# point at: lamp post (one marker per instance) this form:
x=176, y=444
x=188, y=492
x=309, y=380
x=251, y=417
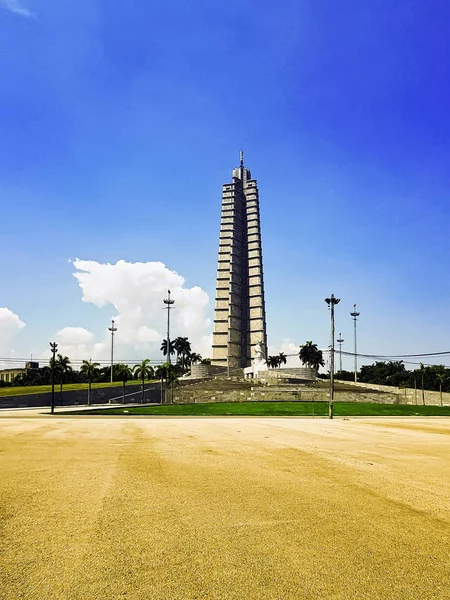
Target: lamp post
x=340, y=341
x=54, y=348
x=332, y=301
x=169, y=304
x=112, y=329
x=355, y=316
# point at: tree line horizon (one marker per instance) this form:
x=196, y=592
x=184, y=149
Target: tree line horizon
x=393, y=373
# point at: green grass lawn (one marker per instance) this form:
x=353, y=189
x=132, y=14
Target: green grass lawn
x=268, y=409
x=42, y=389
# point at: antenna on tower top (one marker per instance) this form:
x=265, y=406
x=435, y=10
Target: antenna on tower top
x=241, y=156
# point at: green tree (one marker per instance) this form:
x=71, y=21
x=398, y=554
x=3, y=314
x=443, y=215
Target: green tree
x=345, y=375
x=63, y=369
x=160, y=373
x=164, y=347
x=195, y=358
x=168, y=373
x=282, y=359
x=143, y=371
x=441, y=377
x=124, y=373
x=311, y=356
x=273, y=362
x=90, y=371
x=422, y=377
x=183, y=349
x=385, y=373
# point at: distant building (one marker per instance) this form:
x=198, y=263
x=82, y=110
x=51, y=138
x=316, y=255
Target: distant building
x=7, y=375
x=31, y=365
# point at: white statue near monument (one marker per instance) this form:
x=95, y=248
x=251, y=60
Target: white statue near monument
x=258, y=362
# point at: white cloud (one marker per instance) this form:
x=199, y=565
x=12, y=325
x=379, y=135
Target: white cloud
x=15, y=7
x=290, y=349
x=10, y=325
x=136, y=292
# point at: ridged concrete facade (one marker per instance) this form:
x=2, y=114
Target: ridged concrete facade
x=240, y=318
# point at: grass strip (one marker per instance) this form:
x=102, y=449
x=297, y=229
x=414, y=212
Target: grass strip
x=274, y=409
x=25, y=390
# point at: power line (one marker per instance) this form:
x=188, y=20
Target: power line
x=397, y=355
x=385, y=357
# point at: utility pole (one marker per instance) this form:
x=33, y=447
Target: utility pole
x=54, y=348
x=331, y=304
x=423, y=390
x=355, y=316
x=340, y=341
x=112, y=329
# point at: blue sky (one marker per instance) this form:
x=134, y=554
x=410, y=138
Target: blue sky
x=120, y=122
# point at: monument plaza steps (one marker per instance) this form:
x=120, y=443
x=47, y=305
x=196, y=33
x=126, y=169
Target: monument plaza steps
x=235, y=389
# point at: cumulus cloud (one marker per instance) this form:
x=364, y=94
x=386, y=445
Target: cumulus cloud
x=290, y=349
x=74, y=341
x=135, y=292
x=15, y=7
x=10, y=325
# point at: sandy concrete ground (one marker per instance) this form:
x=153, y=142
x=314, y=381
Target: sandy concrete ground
x=112, y=508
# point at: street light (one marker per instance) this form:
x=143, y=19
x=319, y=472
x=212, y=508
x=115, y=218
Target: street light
x=331, y=304
x=54, y=348
x=355, y=316
x=112, y=329
x=168, y=302
x=340, y=341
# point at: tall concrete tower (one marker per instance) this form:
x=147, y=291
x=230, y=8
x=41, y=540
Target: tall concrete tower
x=240, y=316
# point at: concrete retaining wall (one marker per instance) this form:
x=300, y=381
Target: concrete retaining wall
x=408, y=395
x=272, y=394
x=75, y=397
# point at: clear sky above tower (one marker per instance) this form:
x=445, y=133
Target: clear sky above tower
x=121, y=120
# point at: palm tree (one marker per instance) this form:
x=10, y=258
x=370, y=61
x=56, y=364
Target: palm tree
x=183, y=348
x=195, y=358
x=172, y=372
x=273, y=361
x=169, y=373
x=63, y=368
x=311, y=356
x=160, y=373
x=164, y=347
x=89, y=370
x=282, y=359
x=143, y=370
x=422, y=372
x=124, y=373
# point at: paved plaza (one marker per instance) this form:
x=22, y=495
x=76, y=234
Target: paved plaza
x=97, y=508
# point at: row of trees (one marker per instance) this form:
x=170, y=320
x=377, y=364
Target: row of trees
x=62, y=371
x=89, y=373
x=185, y=357
x=309, y=354
x=65, y=373
x=432, y=377
x=275, y=362
x=143, y=371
